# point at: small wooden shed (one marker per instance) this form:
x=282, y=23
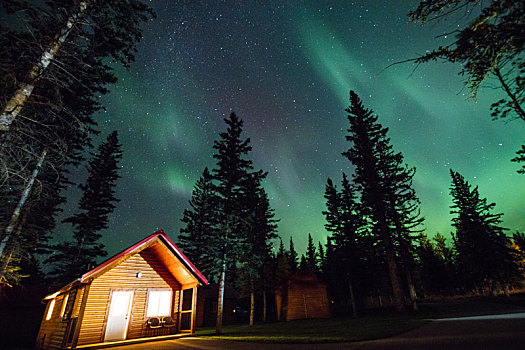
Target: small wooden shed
x=147, y=290
x=302, y=296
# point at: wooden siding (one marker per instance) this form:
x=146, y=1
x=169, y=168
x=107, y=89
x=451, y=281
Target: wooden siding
x=303, y=296
x=78, y=302
x=307, y=300
x=52, y=331
x=124, y=277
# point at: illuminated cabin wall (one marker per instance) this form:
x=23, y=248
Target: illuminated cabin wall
x=124, y=277
x=51, y=333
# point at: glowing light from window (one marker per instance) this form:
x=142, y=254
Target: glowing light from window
x=50, y=310
x=159, y=303
x=64, y=304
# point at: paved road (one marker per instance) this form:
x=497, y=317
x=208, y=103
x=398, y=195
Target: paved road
x=481, y=332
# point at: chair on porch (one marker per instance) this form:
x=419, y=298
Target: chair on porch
x=154, y=322
x=168, y=321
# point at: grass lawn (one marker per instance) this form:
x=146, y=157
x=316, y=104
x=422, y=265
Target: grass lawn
x=318, y=330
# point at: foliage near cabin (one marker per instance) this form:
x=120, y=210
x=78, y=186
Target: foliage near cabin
x=71, y=259
x=198, y=239
x=53, y=70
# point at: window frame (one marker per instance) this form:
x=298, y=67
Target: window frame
x=149, y=299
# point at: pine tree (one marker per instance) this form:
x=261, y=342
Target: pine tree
x=292, y=256
x=303, y=263
x=97, y=202
x=231, y=174
x=385, y=187
x=490, y=45
x=30, y=233
x=518, y=240
x=311, y=256
x=483, y=250
x=321, y=256
x=199, y=238
x=282, y=268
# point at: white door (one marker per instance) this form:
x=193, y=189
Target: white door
x=119, y=315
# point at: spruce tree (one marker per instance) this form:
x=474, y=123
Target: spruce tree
x=292, y=256
x=311, y=256
x=282, y=266
x=97, y=202
x=303, y=264
x=199, y=238
x=483, y=250
x=231, y=174
x=384, y=183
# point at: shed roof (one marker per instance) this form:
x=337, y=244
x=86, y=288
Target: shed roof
x=169, y=254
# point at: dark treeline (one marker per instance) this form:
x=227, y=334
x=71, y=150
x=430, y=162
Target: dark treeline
x=376, y=254
x=376, y=251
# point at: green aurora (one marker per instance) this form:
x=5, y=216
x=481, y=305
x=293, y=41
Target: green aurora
x=286, y=70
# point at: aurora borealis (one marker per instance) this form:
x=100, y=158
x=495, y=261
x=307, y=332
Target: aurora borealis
x=286, y=69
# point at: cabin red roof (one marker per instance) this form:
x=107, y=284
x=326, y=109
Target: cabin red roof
x=115, y=260
x=160, y=235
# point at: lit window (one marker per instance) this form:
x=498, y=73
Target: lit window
x=50, y=310
x=64, y=304
x=159, y=303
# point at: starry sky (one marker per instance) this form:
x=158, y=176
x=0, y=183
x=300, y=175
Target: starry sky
x=286, y=68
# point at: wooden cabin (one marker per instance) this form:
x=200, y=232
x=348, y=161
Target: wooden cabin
x=302, y=296
x=147, y=290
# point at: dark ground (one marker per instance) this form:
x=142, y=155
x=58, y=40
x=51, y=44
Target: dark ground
x=19, y=323
x=21, y=312
x=508, y=334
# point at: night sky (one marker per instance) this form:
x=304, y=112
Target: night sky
x=286, y=69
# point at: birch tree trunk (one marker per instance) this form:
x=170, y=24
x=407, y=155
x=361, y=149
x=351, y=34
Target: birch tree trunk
x=220, y=299
x=9, y=235
x=25, y=88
